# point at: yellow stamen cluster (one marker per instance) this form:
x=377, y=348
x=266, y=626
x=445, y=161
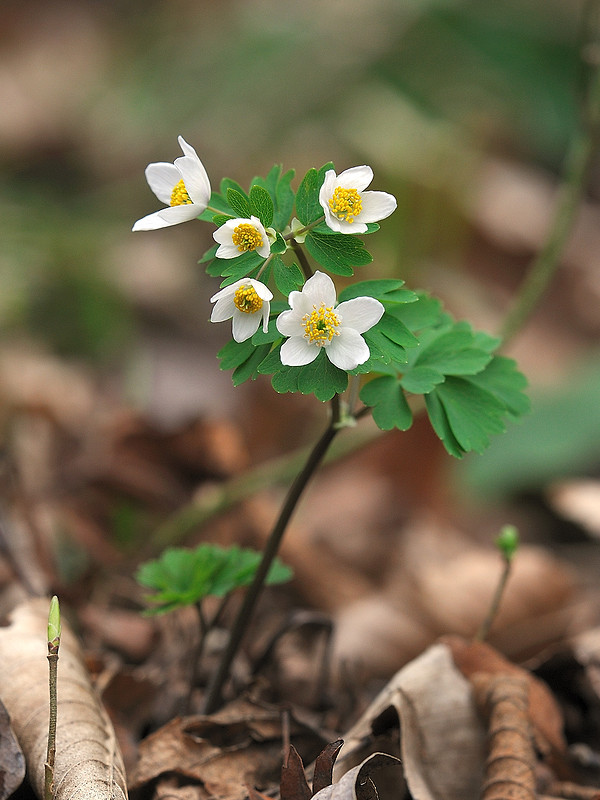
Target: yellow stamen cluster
x=345, y=204
x=320, y=325
x=247, y=300
x=179, y=195
x=245, y=237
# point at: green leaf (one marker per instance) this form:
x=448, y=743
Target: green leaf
x=321, y=378
x=272, y=334
x=397, y=331
x=249, y=368
x=209, y=255
x=380, y=289
x=284, y=200
x=417, y=316
x=279, y=245
x=183, y=576
x=390, y=409
x=235, y=353
x=218, y=202
x=473, y=414
x=421, y=380
x=502, y=378
x=238, y=202
x=453, y=352
x=221, y=219
x=338, y=253
x=440, y=424
x=261, y=205
x=234, y=269
x=308, y=208
x=287, y=279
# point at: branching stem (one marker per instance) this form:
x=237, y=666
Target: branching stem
x=214, y=692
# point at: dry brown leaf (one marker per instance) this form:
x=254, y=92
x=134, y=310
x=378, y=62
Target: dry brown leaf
x=442, y=737
x=360, y=782
x=88, y=763
x=12, y=761
x=241, y=744
x=544, y=712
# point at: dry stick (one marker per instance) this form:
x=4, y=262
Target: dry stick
x=214, y=692
x=510, y=766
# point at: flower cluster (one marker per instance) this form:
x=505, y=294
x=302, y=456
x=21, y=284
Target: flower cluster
x=313, y=321
x=308, y=337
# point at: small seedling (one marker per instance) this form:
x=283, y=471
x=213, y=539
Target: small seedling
x=53, y=647
x=184, y=577
x=507, y=543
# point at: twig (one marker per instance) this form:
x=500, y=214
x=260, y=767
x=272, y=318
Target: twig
x=53, y=647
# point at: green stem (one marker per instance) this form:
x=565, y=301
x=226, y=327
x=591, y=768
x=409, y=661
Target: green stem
x=547, y=261
x=305, y=229
x=484, y=629
x=578, y=160
x=214, y=692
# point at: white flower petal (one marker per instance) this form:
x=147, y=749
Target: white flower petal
x=186, y=148
x=376, y=206
x=162, y=179
x=261, y=290
x=166, y=217
x=227, y=251
x=245, y=325
x=355, y=178
x=195, y=179
x=296, y=352
x=289, y=323
x=319, y=289
x=224, y=309
x=227, y=290
x=348, y=350
x=361, y=313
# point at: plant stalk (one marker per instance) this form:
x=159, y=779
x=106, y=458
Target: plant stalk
x=53, y=648
x=213, y=698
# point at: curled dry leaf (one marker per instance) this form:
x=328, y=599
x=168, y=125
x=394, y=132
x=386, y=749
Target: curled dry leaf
x=544, y=711
x=442, y=737
x=88, y=762
x=360, y=782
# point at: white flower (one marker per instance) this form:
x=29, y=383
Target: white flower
x=314, y=321
x=239, y=236
x=183, y=186
x=247, y=301
x=348, y=208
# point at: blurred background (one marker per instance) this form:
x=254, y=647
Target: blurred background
x=465, y=111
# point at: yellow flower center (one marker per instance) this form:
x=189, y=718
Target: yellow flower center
x=345, y=204
x=245, y=237
x=320, y=326
x=247, y=300
x=179, y=195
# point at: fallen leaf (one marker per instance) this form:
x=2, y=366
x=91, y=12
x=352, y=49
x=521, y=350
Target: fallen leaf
x=240, y=744
x=12, y=760
x=360, y=783
x=323, y=772
x=544, y=712
x=293, y=784
x=88, y=761
x=441, y=737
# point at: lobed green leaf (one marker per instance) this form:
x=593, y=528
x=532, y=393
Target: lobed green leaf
x=239, y=202
x=338, y=253
x=261, y=205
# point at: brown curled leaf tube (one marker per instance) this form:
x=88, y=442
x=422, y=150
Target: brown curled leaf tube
x=510, y=765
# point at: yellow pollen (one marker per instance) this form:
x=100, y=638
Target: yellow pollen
x=345, y=204
x=247, y=300
x=179, y=195
x=246, y=237
x=320, y=325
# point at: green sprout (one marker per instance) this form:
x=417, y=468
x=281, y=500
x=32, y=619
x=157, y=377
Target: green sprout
x=184, y=577
x=507, y=543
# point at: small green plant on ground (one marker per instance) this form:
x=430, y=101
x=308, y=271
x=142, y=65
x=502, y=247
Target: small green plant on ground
x=186, y=577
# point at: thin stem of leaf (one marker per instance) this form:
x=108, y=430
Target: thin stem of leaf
x=304, y=265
